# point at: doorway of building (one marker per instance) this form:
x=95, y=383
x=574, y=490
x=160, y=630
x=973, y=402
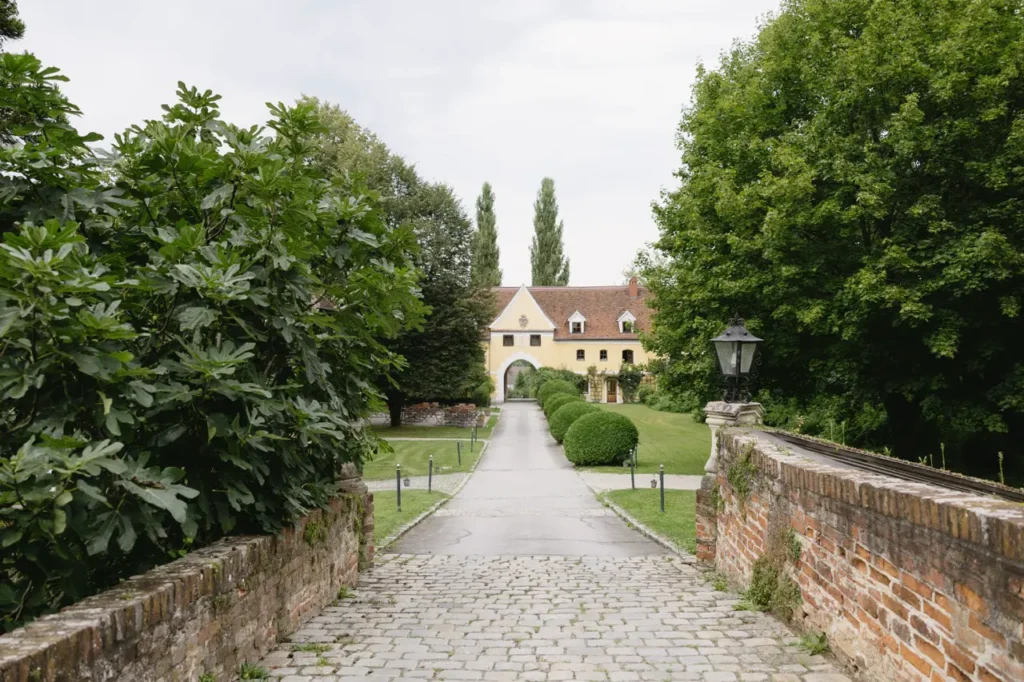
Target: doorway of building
x=613, y=391
x=518, y=382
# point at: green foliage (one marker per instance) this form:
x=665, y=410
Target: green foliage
x=549, y=266
x=312, y=647
x=344, y=593
x=555, y=401
x=486, y=270
x=566, y=415
x=600, y=438
x=848, y=185
x=11, y=25
x=553, y=386
x=207, y=677
x=443, y=354
x=315, y=532
x=534, y=380
x=814, y=643
x=740, y=474
x=629, y=377
x=251, y=671
x=188, y=331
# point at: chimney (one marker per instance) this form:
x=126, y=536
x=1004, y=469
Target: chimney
x=633, y=290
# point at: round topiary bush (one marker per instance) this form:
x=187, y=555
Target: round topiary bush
x=552, y=387
x=557, y=400
x=600, y=438
x=566, y=415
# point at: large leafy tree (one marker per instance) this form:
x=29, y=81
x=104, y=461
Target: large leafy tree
x=486, y=255
x=550, y=267
x=443, y=355
x=189, y=332
x=852, y=182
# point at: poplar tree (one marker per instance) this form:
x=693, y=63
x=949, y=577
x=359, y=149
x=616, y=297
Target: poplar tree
x=550, y=267
x=486, y=255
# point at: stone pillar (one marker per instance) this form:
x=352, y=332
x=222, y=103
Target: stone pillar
x=719, y=415
x=351, y=483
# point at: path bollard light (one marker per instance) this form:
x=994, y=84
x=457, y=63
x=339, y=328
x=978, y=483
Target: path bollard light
x=632, y=477
x=398, y=484
x=430, y=474
x=458, y=449
x=661, y=475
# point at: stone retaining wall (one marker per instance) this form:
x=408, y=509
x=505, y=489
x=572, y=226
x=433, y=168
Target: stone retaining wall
x=208, y=612
x=908, y=581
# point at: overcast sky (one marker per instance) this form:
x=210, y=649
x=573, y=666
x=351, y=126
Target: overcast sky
x=508, y=91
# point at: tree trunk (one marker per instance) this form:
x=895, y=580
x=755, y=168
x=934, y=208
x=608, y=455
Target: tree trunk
x=395, y=409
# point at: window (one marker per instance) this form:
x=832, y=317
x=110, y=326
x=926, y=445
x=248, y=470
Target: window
x=604, y=355
x=627, y=322
x=577, y=328
x=627, y=356
x=581, y=354
x=627, y=327
x=534, y=339
x=508, y=340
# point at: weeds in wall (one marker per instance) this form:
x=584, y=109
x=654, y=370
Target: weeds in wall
x=251, y=671
x=741, y=474
x=814, y=643
x=316, y=529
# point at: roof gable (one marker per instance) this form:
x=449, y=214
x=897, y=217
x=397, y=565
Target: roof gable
x=517, y=308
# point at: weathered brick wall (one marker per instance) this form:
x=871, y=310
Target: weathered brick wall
x=908, y=581
x=208, y=612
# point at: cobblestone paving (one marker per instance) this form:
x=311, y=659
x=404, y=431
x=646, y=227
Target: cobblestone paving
x=540, y=618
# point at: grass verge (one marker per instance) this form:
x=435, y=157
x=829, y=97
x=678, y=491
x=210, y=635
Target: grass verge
x=677, y=524
x=668, y=438
x=414, y=456
x=387, y=518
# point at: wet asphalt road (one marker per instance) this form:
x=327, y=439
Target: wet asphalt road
x=525, y=499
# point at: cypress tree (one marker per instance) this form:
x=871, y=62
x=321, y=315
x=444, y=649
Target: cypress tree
x=486, y=256
x=550, y=267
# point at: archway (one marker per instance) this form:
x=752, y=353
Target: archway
x=517, y=360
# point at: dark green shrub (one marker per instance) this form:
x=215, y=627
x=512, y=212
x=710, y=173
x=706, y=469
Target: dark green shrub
x=554, y=386
x=566, y=415
x=186, y=335
x=600, y=438
x=556, y=401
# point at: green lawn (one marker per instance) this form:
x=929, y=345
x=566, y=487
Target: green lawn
x=677, y=524
x=414, y=456
x=387, y=518
x=674, y=440
x=435, y=431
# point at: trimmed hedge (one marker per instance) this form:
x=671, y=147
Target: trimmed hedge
x=557, y=400
x=600, y=438
x=566, y=415
x=554, y=386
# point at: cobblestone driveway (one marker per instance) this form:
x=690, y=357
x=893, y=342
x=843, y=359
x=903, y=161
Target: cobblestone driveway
x=525, y=576
x=542, y=618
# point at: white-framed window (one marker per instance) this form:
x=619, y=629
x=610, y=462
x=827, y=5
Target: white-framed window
x=581, y=354
x=604, y=355
x=577, y=323
x=627, y=356
x=508, y=340
x=627, y=323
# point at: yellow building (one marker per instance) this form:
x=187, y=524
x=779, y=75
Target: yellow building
x=568, y=328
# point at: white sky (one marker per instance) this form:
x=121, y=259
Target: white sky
x=588, y=92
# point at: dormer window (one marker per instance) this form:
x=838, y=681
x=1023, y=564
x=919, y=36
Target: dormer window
x=577, y=323
x=627, y=323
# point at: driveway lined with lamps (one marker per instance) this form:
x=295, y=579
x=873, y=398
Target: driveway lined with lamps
x=524, y=575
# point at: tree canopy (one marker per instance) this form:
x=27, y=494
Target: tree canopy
x=852, y=183
x=486, y=255
x=550, y=267
x=443, y=355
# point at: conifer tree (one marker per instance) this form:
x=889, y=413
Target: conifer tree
x=550, y=267
x=486, y=255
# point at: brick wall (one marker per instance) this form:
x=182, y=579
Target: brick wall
x=208, y=612
x=908, y=581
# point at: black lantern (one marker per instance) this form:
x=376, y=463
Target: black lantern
x=735, y=348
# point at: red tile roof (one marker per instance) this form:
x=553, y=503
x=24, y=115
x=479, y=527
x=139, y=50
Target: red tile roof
x=601, y=306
